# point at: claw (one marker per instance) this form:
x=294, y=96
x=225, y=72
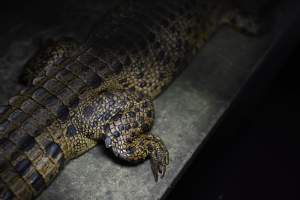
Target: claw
x=159, y=159
x=154, y=170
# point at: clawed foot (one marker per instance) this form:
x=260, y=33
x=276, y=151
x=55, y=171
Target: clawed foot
x=159, y=158
x=128, y=134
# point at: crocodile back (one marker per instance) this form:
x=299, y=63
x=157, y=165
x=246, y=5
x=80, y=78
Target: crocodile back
x=142, y=45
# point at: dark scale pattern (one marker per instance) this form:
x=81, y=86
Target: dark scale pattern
x=53, y=86
x=37, y=182
x=23, y=166
x=88, y=111
x=94, y=81
x=5, y=193
x=84, y=73
x=63, y=113
x=73, y=103
x=27, y=143
x=53, y=149
x=3, y=164
x=51, y=102
x=40, y=94
x=29, y=106
x=66, y=96
x=7, y=146
x=90, y=60
x=30, y=126
x=16, y=100
x=5, y=125
x=117, y=133
x=42, y=116
x=5, y=143
x=100, y=91
x=71, y=131
x=65, y=76
x=77, y=85
x=3, y=109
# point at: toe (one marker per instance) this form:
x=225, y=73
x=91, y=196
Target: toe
x=159, y=160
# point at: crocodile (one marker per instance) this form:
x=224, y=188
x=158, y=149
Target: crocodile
x=102, y=90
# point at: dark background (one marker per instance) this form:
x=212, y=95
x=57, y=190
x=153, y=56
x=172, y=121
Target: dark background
x=252, y=155
x=254, y=152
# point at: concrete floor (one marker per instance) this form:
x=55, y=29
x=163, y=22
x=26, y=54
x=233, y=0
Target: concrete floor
x=185, y=113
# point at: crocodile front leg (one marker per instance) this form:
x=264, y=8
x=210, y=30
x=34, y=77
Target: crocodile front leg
x=122, y=119
x=129, y=137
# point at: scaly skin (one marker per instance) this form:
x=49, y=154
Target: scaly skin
x=101, y=90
